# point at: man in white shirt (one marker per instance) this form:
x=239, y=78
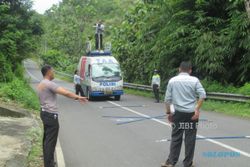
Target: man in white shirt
x=99, y=35
x=77, y=82
x=186, y=94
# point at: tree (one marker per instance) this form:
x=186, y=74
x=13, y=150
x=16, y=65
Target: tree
x=69, y=25
x=211, y=34
x=17, y=33
x=247, y=4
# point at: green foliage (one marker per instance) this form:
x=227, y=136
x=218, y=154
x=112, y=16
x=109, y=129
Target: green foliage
x=214, y=35
x=51, y=57
x=34, y=157
x=58, y=60
x=20, y=91
x=245, y=89
x=68, y=26
x=230, y=108
x=20, y=29
x=215, y=86
x=19, y=71
x=159, y=34
x=5, y=70
x=19, y=36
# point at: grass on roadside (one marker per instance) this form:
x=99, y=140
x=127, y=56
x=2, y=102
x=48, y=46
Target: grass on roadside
x=230, y=108
x=19, y=93
x=35, y=155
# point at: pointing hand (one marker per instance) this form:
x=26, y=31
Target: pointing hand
x=82, y=99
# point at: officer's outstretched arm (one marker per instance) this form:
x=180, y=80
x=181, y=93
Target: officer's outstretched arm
x=64, y=92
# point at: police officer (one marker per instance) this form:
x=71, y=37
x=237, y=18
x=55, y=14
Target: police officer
x=47, y=91
x=156, y=81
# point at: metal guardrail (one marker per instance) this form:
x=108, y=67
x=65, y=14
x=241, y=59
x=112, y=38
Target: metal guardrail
x=210, y=95
x=228, y=97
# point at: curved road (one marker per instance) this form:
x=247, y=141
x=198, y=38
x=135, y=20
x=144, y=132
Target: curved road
x=110, y=133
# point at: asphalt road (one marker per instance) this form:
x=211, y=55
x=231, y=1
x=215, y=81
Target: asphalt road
x=99, y=134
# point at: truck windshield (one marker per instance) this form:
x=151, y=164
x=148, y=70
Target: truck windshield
x=106, y=71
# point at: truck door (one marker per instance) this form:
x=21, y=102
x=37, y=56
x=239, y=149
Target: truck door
x=82, y=71
x=88, y=74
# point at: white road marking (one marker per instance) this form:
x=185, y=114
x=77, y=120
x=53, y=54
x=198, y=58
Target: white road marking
x=200, y=136
x=162, y=140
x=59, y=155
x=31, y=75
x=125, y=119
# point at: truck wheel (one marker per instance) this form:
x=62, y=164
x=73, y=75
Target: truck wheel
x=88, y=95
x=118, y=98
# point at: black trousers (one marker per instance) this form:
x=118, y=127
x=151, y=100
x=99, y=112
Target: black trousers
x=182, y=123
x=156, y=92
x=51, y=129
x=97, y=42
x=79, y=90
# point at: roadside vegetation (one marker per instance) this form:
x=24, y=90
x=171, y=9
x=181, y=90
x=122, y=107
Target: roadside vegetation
x=35, y=158
x=20, y=34
x=213, y=35
x=20, y=92
x=148, y=35
x=214, y=86
x=69, y=26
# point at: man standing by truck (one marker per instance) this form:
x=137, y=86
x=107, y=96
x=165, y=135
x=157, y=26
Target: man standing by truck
x=77, y=82
x=156, y=81
x=47, y=91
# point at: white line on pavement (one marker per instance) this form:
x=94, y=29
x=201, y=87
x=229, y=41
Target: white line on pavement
x=59, y=155
x=200, y=136
x=31, y=75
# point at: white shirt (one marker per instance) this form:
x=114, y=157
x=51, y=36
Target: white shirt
x=182, y=91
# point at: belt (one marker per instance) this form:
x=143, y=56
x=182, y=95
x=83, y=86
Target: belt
x=185, y=113
x=49, y=114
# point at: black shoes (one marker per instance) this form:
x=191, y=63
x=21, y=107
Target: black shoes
x=167, y=165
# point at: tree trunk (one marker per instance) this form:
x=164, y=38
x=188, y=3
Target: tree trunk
x=247, y=4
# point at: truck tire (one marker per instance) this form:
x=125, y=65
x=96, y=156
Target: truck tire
x=88, y=95
x=118, y=97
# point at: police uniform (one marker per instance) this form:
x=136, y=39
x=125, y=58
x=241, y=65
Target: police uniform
x=156, y=80
x=49, y=116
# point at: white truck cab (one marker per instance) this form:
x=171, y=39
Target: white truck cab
x=101, y=75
